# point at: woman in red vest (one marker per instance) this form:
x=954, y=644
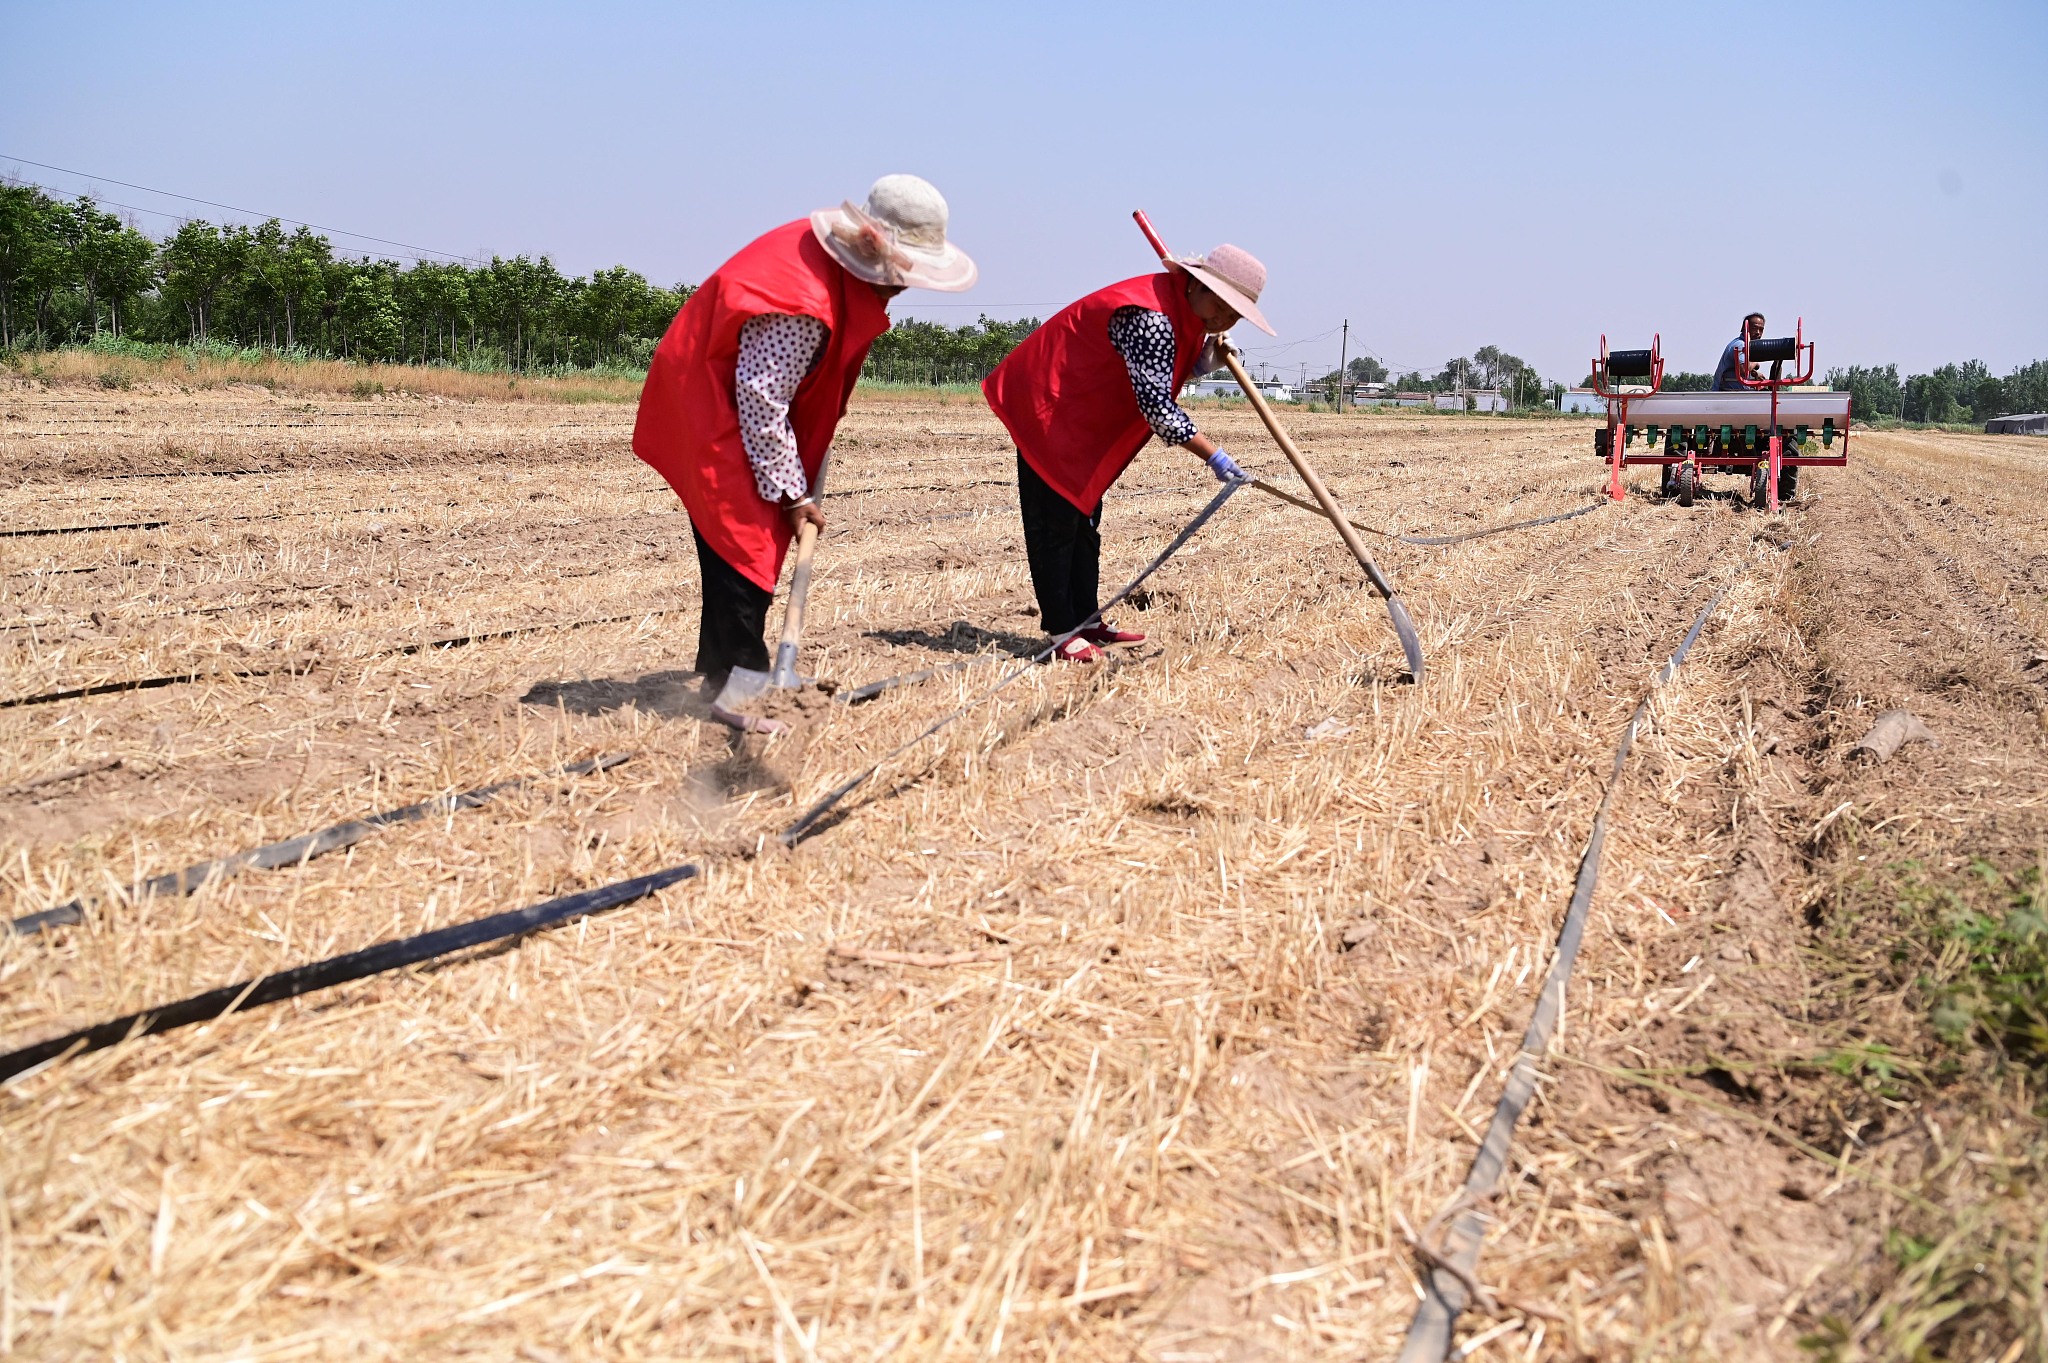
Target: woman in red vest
x=751, y=380
x=1081, y=395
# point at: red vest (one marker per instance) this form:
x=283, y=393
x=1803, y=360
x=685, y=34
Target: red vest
x=688, y=429
x=1065, y=395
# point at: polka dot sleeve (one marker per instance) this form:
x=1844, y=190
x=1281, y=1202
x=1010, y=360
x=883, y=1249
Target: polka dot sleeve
x=1145, y=340
x=776, y=351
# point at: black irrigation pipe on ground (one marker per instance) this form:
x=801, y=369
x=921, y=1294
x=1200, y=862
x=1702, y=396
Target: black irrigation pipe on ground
x=407, y=951
x=297, y=851
x=1429, y=540
x=356, y=965
x=805, y=824
x=294, y=669
x=81, y=529
x=1450, y=1280
x=198, y=473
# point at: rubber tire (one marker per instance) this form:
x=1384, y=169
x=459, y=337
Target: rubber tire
x=1760, y=485
x=1688, y=484
x=1667, y=483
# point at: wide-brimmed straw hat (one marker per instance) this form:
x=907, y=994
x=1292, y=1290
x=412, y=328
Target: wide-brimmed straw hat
x=897, y=237
x=1232, y=274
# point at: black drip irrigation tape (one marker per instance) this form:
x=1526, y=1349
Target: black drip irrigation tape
x=808, y=822
x=1586, y=510
x=356, y=965
x=295, y=669
x=81, y=529
x=408, y=951
x=141, y=684
x=297, y=851
x=1450, y=1287
x=199, y=473
x=1428, y=540
x=860, y=694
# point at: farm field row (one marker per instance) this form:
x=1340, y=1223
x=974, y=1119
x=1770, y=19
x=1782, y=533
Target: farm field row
x=1246, y=928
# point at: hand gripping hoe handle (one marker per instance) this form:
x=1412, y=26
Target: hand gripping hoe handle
x=783, y=674
x=1411, y=643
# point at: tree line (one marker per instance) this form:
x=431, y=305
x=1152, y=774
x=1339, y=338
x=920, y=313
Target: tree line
x=1964, y=393
x=70, y=273
x=1967, y=392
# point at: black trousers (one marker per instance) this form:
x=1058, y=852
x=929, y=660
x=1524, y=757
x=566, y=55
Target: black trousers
x=735, y=617
x=1064, y=547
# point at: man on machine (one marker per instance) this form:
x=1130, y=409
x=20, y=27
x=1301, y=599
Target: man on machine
x=1733, y=369
x=1081, y=396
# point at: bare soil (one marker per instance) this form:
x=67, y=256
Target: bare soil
x=1168, y=986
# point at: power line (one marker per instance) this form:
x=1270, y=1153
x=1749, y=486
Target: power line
x=187, y=198
x=158, y=212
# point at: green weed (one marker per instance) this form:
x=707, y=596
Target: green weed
x=1988, y=979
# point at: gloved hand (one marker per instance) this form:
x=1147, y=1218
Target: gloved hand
x=1225, y=468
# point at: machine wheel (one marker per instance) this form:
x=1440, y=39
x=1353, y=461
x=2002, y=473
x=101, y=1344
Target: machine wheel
x=1667, y=482
x=1760, y=486
x=1688, y=484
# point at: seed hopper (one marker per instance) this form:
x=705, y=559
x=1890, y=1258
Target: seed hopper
x=1763, y=429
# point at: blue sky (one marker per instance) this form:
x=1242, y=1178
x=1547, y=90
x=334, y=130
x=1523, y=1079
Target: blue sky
x=1524, y=175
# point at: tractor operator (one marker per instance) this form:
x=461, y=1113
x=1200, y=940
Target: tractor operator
x=1081, y=395
x=1729, y=373
x=1734, y=366
x=752, y=379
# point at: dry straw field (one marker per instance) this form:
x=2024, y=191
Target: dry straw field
x=1131, y=1017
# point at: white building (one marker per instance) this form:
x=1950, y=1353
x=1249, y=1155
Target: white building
x=1271, y=389
x=1582, y=400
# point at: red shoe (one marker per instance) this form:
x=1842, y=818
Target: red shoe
x=1077, y=650
x=1106, y=633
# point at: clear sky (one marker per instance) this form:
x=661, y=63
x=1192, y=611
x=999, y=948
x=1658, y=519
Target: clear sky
x=1524, y=175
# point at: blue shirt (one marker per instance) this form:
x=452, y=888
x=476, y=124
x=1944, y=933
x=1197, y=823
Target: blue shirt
x=1726, y=372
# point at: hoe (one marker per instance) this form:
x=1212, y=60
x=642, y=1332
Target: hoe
x=1411, y=644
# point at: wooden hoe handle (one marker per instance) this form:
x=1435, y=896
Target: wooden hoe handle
x=1308, y=474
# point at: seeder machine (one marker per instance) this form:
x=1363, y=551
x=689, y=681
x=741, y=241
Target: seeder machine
x=1763, y=429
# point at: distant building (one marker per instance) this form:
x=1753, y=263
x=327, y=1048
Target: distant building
x=2030, y=423
x=1383, y=398
x=1272, y=390
x=1582, y=400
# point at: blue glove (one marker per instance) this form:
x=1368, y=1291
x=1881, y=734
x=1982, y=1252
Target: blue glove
x=1225, y=468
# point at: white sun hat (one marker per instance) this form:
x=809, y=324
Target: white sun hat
x=1232, y=274
x=897, y=237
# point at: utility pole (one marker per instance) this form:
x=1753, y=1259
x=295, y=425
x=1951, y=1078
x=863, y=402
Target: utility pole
x=1343, y=351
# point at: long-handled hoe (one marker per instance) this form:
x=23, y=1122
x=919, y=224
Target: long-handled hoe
x=1411, y=644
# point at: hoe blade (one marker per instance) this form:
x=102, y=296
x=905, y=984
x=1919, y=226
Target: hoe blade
x=745, y=686
x=1411, y=642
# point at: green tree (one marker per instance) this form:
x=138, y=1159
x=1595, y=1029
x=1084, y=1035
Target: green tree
x=367, y=312
x=1366, y=369
x=519, y=294
x=29, y=254
x=2026, y=388
x=196, y=264
x=1873, y=391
